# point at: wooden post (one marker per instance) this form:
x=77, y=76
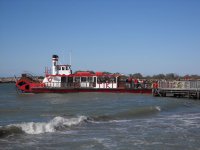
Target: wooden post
x=188, y=94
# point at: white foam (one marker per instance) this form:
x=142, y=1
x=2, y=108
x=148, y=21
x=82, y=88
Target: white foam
x=158, y=108
x=188, y=120
x=119, y=121
x=42, y=127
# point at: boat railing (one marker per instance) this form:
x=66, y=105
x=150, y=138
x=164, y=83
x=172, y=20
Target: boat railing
x=125, y=85
x=68, y=85
x=30, y=77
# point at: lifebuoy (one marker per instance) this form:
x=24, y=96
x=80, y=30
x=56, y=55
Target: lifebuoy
x=50, y=79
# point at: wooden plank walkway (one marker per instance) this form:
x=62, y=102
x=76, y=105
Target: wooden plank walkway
x=187, y=89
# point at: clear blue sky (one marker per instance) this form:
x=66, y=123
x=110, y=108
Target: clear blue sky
x=126, y=36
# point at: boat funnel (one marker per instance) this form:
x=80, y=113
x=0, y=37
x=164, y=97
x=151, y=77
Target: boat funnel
x=54, y=64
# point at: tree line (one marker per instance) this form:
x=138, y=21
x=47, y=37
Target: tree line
x=168, y=76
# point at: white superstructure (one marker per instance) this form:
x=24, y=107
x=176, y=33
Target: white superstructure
x=58, y=71
x=61, y=76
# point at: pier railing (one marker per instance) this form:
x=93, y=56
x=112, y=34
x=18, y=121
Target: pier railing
x=179, y=85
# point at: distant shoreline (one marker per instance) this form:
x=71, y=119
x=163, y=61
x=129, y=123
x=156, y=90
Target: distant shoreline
x=170, y=76
x=7, y=80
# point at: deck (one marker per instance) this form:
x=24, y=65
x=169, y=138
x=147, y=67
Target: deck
x=185, y=89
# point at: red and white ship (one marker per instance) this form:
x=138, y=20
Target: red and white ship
x=62, y=80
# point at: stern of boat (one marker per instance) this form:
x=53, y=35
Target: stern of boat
x=26, y=83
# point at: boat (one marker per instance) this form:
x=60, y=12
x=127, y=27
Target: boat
x=60, y=79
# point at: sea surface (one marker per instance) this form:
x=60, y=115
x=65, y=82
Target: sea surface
x=97, y=121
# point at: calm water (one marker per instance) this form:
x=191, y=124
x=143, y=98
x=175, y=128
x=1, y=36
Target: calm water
x=97, y=121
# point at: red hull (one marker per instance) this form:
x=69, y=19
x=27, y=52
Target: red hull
x=74, y=90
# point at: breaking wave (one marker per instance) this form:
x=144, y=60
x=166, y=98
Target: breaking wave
x=56, y=123
x=133, y=113
x=61, y=123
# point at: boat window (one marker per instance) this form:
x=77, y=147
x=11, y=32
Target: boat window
x=113, y=79
x=21, y=83
x=77, y=79
x=90, y=79
x=122, y=79
x=95, y=79
x=70, y=79
x=58, y=68
x=100, y=79
x=27, y=87
x=63, y=68
x=83, y=79
x=63, y=79
x=106, y=79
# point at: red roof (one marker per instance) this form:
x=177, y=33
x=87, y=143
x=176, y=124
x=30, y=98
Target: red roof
x=86, y=73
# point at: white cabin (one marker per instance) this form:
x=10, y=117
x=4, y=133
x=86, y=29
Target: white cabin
x=54, y=78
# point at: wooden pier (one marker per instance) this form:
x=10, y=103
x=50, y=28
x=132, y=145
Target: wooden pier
x=184, y=89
